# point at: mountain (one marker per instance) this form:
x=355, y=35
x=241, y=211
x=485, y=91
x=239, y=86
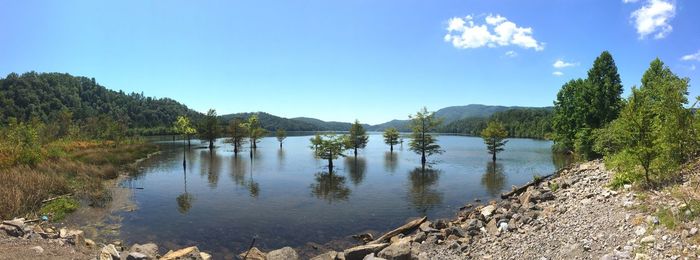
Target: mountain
x=272, y=122
x=45, y=95
x=449, y=115
x=401, y=125
x=326, y=125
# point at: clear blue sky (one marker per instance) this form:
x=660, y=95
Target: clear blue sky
x=342, y=60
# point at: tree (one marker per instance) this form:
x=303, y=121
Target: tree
x=391, y=137
x=329, y=147
x=316, y=140
x=281, y=135
x=494, y=136
x=653, y=131
x=255, y=132
x=238, y=133
x=183, y=126
x=357, y=138
x=422, y=142
x=209, y=127
x=606, y=91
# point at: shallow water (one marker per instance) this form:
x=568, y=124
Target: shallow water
x=285, y=197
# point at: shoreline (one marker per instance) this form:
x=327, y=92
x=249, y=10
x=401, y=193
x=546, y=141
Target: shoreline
x=573, y=215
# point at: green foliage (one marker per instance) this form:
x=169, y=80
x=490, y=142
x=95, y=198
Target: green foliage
x=653, y=134
x=237, y=132
x=357, y=137
x=209, y=128
x=184, y=127
x=254, y=130
x=329, y=147
x=422, y=142
x=554, y=186
x=494, y=136
x=391, y=137
x=281, y=135
x=582, y=106
x=519, y=122
x=59, y=208
x=61, y=98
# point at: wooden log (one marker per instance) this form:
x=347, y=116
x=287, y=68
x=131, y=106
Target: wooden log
x=402, y=229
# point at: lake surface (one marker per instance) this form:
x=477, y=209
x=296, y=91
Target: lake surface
x=285, y=197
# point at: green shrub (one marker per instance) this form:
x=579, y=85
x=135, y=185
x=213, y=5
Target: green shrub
x=58, y=208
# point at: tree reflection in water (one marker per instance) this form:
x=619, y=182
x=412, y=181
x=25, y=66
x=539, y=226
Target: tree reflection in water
x=330, y=187
x=422, y=194
x=494, y=178
x=356, y=168
x=391, y=161
x=184, y=201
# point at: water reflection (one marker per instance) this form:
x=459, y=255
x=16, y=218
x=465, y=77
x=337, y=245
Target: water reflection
x=238, y=171
x=356, y=168
x=210, y=164
x=184, y=200
x=252, y=185
x=493, y=179
x=422, y=194
x=280, y=159
x=391, y=161
x=330, y=187
x=561, y=160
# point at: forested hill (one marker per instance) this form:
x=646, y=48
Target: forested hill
x=519, y=122
x=45, y=95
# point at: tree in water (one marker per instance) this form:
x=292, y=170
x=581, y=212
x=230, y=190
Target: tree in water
x=357, y=138
x=238, y=133
x=184, y=127
x=422, y=142
x=391, y=137
x=281, y=135
x=255, y=131
x=210, y=128
x=329, y=147
x=330, y=187
x=494, y=137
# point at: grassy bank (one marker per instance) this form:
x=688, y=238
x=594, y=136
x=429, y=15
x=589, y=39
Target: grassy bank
x=77, y=169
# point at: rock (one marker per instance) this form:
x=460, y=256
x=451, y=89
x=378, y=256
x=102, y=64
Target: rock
x=11, y=230
x=640, y=256
x=426, y=227
x=640, y=231
x=396, y=238
x=503, y=226
x=62, y=233
x=420, y=237
x=190, y=253
x=400, y=250
x=364, y=238
x=693, y=231
x=648, y=239
x=38, y=249
x=491, y=227
x=253, y=254
x=89, y=242
x=652, y=220
x=546, y=196
x=330, y=255
x=457, y=231
x=488, y=210
x=136, y=256
x=75, y=237
x=285, y=253
x=109, y=252
x=359, y=252
x=440, y=224
x=150, y=250
x=372, y=257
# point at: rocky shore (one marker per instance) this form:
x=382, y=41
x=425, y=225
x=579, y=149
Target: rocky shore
x=573, y=215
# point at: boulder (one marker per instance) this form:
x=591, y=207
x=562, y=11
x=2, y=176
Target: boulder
x=420, y=237
x=75, y=237
x=189, y=253
x=330, y=255
x=457, y=231
x=204, y=256
x=487, y=211
x=38, y=249
x=364, y=238
x=109, y=252
x=285, y=253
x=546, y=196
x=401, y=250
x=426, y=227
x=648, y=239
x=150, y=250
x=372, y=257
x=491, y=227
x=253, y=254
x=359, y=252
x=440, y=224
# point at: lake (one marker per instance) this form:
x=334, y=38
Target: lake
x=285, y=197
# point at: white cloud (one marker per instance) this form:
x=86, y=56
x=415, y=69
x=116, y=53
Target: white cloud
x=511, y=54
x=692, y=67
x=558, y=73
x=694, y=56
x=654, y=18
x=560, y=64
x=629, y=1
x=463, y=33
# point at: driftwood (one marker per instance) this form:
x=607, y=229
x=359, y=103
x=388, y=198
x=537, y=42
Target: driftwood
x=9, y=223
x=517, y=191
x=523, y=188
x=405, y=228
x=57, y=197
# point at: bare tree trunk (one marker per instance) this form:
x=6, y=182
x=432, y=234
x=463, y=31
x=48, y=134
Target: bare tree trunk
x=391, y=148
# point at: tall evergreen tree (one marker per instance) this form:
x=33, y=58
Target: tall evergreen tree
x=238, y=132
x=391, y=137
x=494, y=137
x=329, y=147
x=422, y=142
x=255, y=131
x=210, y=128
x=357, y=138
x=281, y=135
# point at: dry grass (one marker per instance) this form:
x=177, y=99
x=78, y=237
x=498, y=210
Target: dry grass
x=79, y=168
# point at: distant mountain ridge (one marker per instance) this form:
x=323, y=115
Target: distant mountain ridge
x=449, y=115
